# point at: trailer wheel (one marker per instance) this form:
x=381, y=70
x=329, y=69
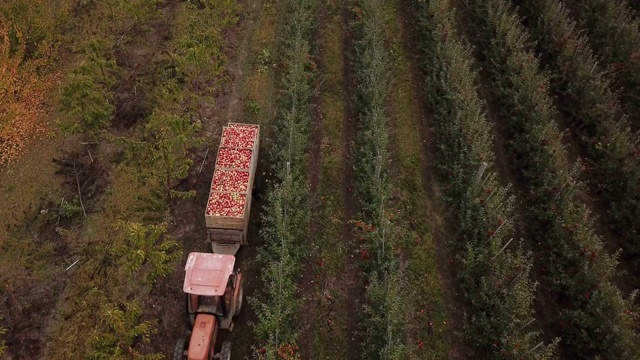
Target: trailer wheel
x=225, y=352
x=180, y=351
x=240, y=301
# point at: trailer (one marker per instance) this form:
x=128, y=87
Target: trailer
x=229, y=204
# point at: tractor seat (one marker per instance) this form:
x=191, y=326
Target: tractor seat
x=209, y=304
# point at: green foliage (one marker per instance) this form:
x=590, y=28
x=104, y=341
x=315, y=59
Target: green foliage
x=387, y=317
x=593, y=106
x=389, y=301
x=174, y=135
x=40, y=22
x=127, y=245
x=264, y=57
x=70, y=210
x=86, y=98
x=112, y=281
x=495, y=281
x=226, y=6
x=197, y=40
x=614, y=34
x=160, y=158
x=195, y=51
x=373, y=92
x=253, y=107
x=146, y=245
x=118, y=328
x=295, y=94
x=102, y=26
x=287, y=212
x=281, y=256
x=3, y=345
x=136, y=11
x=114, y=21
x=578, y=267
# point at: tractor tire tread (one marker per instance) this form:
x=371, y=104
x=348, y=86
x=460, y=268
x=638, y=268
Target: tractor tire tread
x=225, y=352
x=181, y=344
x=240, y=302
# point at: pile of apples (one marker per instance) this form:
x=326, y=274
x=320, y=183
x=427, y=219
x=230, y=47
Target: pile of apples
x=226, y=204
x=230, y=181
x=228, y=188
x=240, y=136
x=234, y=158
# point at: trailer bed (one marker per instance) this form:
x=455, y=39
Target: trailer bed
x=226, y=218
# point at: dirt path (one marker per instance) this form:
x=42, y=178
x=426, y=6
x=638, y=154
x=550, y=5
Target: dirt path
x=307, y=286
x=256, y=34
x=354, y=278
x=332, y=288
x=243, y=42
x=430, y=205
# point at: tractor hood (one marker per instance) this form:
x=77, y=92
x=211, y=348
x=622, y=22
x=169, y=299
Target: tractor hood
x=202, y=337
x=207, y=274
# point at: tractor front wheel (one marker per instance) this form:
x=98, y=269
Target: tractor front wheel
x=225, y=352
x=239, y=301
x=180, y=351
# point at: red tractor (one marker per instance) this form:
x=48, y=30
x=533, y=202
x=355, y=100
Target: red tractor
x=214, y=296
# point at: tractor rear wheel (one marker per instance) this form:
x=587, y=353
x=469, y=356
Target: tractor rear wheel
x=225, y=352
x=239, y=301
x=180, y=351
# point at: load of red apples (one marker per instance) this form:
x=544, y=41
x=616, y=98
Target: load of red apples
x=239, y=136
x=230, y=182
x=226, y=204
x=231, y=158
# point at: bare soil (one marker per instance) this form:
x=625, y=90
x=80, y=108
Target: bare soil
x=354, y=279
x=139, y=59
x=306, y=287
